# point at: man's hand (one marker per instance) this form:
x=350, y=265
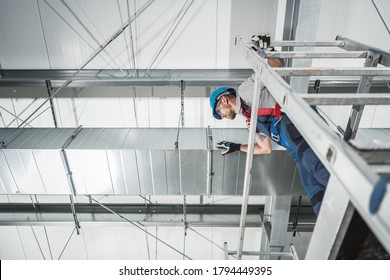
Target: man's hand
x=228, y=147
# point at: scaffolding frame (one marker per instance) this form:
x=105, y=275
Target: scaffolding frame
x=345, y=165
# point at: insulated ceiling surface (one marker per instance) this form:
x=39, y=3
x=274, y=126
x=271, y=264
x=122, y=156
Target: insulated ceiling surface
x=171, y=34
x=127, y=161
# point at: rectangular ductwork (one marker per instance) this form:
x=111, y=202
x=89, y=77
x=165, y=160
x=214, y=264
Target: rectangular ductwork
x=127, y=161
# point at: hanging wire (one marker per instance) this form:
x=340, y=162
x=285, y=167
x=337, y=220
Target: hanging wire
x=21, y=242
x=15, y=131
x=74, y=30
x=131, y=41
x=2, y=118
x=184, y=243
x=185, y=226
x=124, y=34
x=137, y=226
x=147, y=245
x=17, y=117
x=39, y=245
x=212, y=242
x=156, y=241
x=67, y=243
x=328, y=118
x=171, y=33
x=12, y=114
x=95, y=53
x=48, y=243
x=44, y=34
x=91, y=35
x=380, y=15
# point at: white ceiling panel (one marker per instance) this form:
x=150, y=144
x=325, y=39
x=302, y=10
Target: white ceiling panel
x=22, y=44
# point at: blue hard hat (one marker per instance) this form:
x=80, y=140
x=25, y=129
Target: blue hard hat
x=215, y=96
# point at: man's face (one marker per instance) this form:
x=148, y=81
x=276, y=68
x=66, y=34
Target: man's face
x=225, y=108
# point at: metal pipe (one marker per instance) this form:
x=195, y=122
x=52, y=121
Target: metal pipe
x=76, y=221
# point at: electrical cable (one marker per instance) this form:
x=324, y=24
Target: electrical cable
x=170, y=35
x=39, y=245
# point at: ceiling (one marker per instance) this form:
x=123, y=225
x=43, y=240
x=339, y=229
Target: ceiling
x=163, y=36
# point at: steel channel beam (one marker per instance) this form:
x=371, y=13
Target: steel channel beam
x=93, y=78
x=341, y=160
x=150, y=215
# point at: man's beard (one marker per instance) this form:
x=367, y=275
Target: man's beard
x=232, y=115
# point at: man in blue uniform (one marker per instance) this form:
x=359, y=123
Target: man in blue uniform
x=272, y=124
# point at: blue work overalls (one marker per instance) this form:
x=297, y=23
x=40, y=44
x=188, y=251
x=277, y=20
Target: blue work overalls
x=313, y=173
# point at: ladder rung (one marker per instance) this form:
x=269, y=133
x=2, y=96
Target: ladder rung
x=307, y=43
x=356, y=54
x=347, y=99
x=324, y=71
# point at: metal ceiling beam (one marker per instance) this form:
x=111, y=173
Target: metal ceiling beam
x=53, y=214
x=113, y=77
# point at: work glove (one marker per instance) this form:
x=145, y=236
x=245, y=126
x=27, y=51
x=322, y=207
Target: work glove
x=228, y=147
x=260, y=42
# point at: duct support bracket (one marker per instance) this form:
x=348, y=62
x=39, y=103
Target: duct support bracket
x=210, y=172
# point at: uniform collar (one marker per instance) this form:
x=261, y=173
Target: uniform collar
x=238, y=105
